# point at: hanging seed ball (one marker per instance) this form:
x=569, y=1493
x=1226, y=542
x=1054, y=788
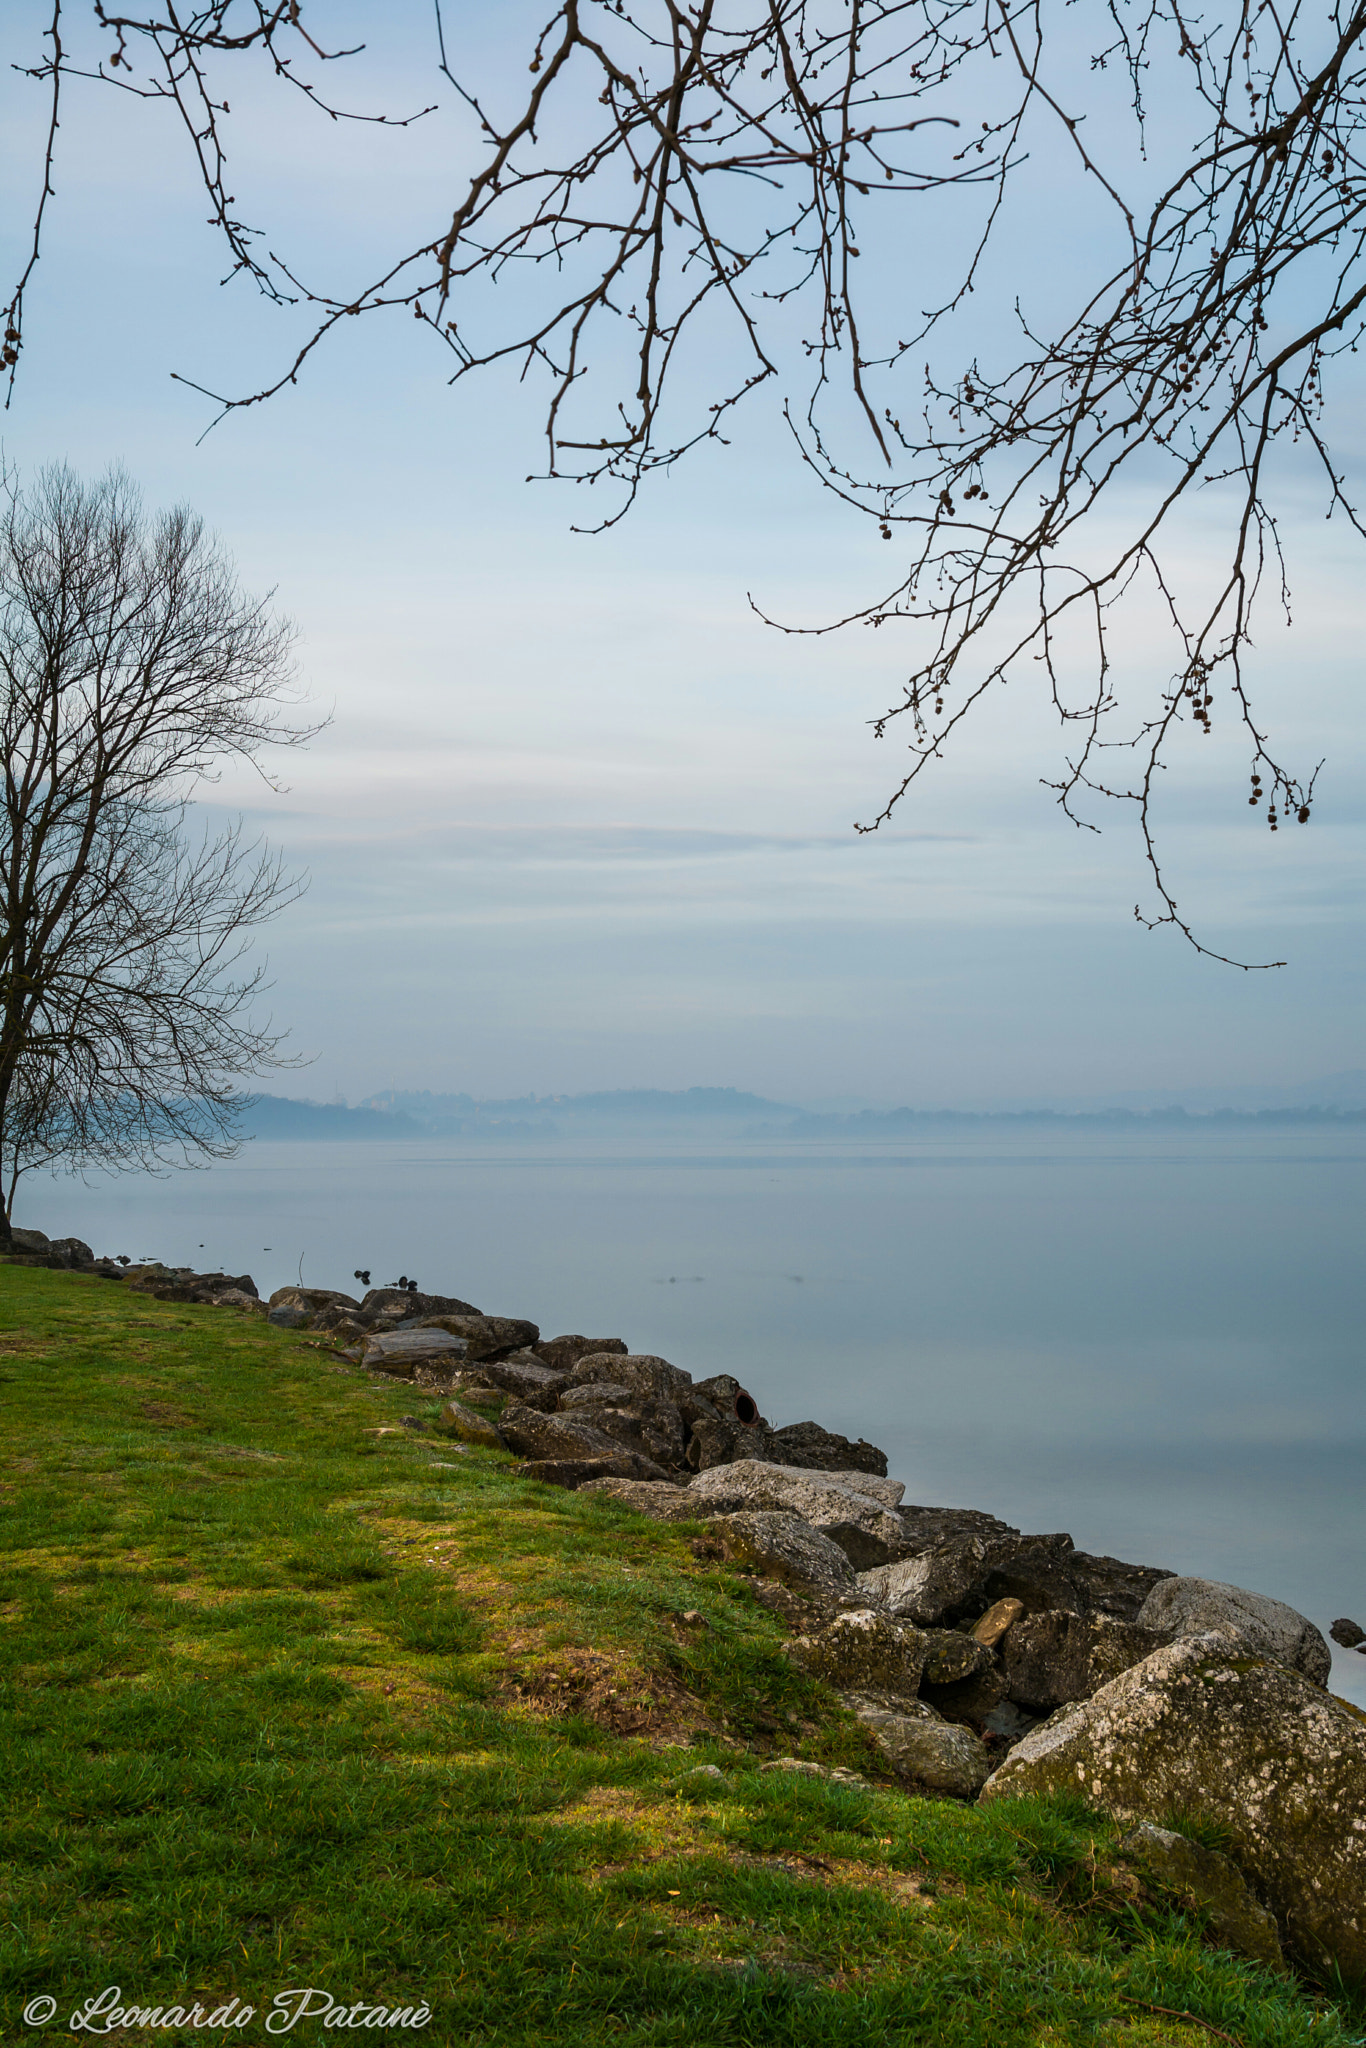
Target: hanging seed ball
x=1303, y=814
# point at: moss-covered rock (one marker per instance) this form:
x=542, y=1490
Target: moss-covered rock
x=1278, y=1761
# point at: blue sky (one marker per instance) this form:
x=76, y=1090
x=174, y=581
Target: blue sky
x=580, y=819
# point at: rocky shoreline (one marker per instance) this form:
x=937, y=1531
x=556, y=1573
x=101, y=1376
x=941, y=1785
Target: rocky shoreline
x=984, y=1661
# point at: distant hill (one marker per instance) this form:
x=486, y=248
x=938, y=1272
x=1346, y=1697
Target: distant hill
x=463, y=1115
x=278, y=1116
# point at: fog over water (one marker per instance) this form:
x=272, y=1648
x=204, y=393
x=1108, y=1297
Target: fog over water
x=1150, y=1338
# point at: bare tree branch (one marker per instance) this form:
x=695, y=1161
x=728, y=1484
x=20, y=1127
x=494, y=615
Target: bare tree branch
x=679, y=176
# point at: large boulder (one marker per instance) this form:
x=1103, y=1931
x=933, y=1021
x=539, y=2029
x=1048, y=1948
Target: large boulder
x=408, y=1302
x=1109, y=1586
x=653, y=1428
x=487, y=1336
x=784, y=1547
x=1048, y=1659
x=1187, y=1607
x=570, y=1439
x=647, y=1377
x=1035, y=1571
x=863, y=1652
x=523, y=1374
x=399, y=1352
x=310, y=1298
x=74, y=1251
x=853, y=1510
x=1203, y=1725
x=936, y=1754
x=930, y=1585
x=820, y=1450
x=564, y=1353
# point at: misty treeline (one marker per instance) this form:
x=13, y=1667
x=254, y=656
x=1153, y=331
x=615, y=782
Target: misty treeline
x=1151, y=216
x=131, y=668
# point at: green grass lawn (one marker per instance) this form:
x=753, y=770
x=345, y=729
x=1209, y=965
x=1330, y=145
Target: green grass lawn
x=292, y=1704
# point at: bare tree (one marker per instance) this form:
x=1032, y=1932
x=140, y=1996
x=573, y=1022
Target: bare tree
x=671, y=169
x=130, y=664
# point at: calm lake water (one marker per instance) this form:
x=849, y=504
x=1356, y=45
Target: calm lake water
x=1151, y=1339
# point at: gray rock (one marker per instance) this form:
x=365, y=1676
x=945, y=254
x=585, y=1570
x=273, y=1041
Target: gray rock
x=930, y=1585
x=1108, y=1586
x=863, y=1652
x=29, y=1240
x=647, y=1377
x=1048, y=1659
x=534, y=1434
x=488, y=1337
x=74, y=1249
x=660, y=1501
x=703, y=1778
x=1035, y=1571
x=937, y=1754
x=458, y=1421
x=564, y=1353
x=719, y=1439
x=288, y=1317
x=717, y=1395
x=237, y=1297
x=312, y=1298
x=1350, y=1634
x=653, y=1428
x=407, y=1301
x=933, y=1528
x=784, y=1547
x=341, y=1324
x=815, y=1449
x=574, y=1473
x=399, y=1352
x=1187, y=1607
x=536, y=1384
x=1212, y=1884
x=1205, y=1725
x=949, y=1657
x=858, y=1520
x=596, y=1394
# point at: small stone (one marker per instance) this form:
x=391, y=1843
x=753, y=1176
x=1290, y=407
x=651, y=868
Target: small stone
x=702, y=1778
x=996, y=1621
x=799, y=1767
x=458, y=1421
x=1350, y=1634
x=288, y=1317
